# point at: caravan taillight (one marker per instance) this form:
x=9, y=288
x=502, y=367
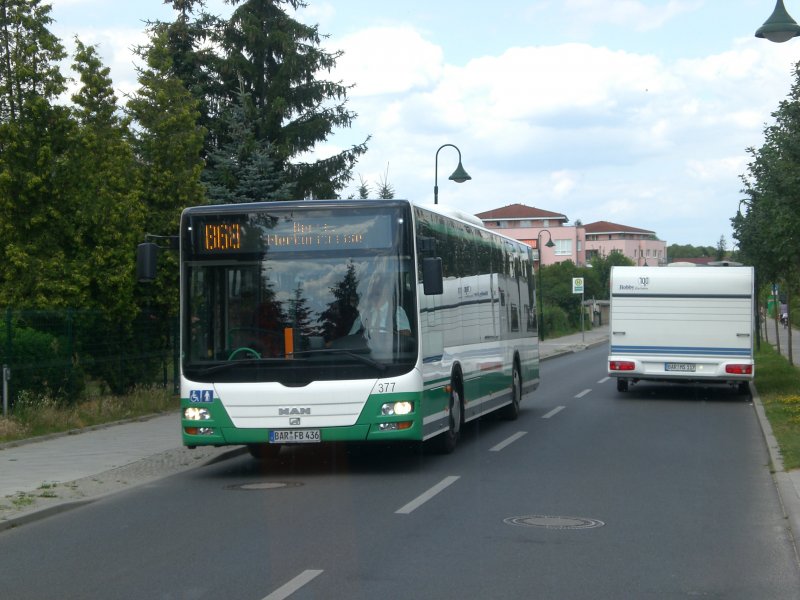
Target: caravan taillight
x=739, y=369
x=621, y=365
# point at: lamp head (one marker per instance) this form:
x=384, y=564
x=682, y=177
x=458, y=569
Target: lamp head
x=550, y=243
x=780, y=27
x=459, y=175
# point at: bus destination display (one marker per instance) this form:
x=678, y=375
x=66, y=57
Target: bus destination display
x=274, y=233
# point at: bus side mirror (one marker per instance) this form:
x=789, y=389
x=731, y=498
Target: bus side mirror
x=146, y=257
x=432, y=278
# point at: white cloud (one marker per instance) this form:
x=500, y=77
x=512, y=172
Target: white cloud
x=387, y=60
x=635, y=14
x=717, y=169
x=563, y=182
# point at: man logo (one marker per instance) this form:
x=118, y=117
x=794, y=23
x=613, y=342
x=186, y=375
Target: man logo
x=287, y=412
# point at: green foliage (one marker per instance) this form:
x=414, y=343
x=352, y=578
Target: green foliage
x=385, y=189
x=767, y=224
x=40, y=364
x=242, y=169
x=107, y=218
x=168, y=146
x=598, y=279
x=556, y=285
x=777, y=383
x=677, y=251
x=276, y=62
x=29, y=70
x=35, y=137
x=557, y=322
x=38, y=413
x=80, y=186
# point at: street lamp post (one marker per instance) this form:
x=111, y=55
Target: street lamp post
x=780, y=27
x=549, y=244
x=459, y=175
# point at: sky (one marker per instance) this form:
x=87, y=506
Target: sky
x=638, y=112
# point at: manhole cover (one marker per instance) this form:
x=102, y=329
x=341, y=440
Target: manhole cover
x=264, y=485
x=548, y=522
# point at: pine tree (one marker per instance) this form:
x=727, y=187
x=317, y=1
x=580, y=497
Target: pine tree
x=242, y=169
x=275, y=61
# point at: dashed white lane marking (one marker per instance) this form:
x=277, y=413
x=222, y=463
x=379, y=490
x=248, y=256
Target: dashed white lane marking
x=553, y=412
x=604, y=379
x=422, y=499
x=583, y=393
x=507, y=441
x=289, y=588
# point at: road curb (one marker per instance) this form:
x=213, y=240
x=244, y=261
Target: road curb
x=35, y=513
x=788, y=494
x=573, y=349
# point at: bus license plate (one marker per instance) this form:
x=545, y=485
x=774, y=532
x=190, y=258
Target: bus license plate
x=685, y=367
x=294, y=436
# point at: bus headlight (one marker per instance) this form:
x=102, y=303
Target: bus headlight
x=195, y=413
x=397, y=408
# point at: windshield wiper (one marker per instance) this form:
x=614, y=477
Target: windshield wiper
x=349, y=353
x=239, y=363
x=284, y=359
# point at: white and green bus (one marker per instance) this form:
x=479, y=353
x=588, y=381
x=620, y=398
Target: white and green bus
x=349, y=320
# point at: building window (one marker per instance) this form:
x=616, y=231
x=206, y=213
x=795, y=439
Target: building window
x=546, y=223
x=526, y=223
x=563, y=247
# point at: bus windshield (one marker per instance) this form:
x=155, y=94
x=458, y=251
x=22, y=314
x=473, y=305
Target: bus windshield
x=298, y=295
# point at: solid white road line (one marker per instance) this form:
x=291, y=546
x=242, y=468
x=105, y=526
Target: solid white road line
x=420, y=500
x=508, y=441
x=553, y=412
x=295, y=584
x=583, y=393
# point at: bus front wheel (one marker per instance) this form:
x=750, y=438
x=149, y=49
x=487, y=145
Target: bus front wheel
x=264, y=451
x=447, y=441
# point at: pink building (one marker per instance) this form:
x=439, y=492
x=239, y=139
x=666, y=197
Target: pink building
x=530, y=225
x=640, y=245
x=578, y=243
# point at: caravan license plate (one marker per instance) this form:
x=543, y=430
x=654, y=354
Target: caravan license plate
x=685, y=367
x=294, y=436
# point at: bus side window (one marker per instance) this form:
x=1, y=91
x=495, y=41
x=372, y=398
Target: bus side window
x=432, y=279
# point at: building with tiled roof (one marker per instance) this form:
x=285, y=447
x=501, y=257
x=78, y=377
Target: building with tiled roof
x=578, y=243
x=530, y=225
x=519, y=213
x=640, y=245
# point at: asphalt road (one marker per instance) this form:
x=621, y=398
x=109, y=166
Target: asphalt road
x=663, y=492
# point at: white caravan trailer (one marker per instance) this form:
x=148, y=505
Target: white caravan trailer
x=682, y=324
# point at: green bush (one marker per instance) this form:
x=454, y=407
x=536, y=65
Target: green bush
x=40, y=365
x=556, y=321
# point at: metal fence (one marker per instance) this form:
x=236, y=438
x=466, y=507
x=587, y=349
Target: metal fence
x=67, y=353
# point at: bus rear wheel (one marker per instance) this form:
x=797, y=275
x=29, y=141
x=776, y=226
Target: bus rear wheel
x=511, y=412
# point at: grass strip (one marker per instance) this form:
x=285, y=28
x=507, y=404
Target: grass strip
x=778, y=385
